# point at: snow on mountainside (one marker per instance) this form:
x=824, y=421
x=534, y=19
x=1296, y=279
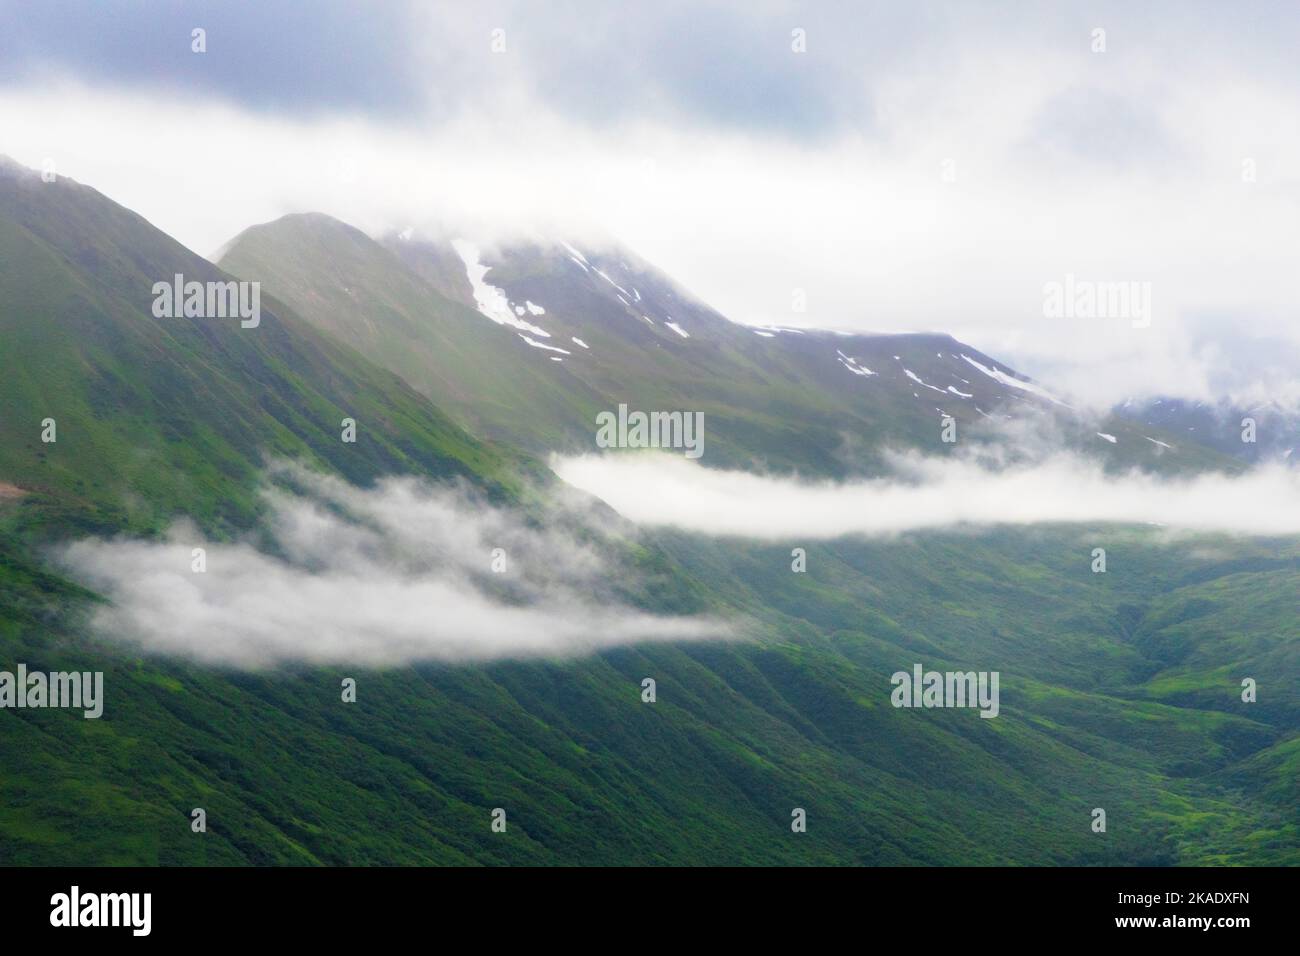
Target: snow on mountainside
x=626, y=309
x=615, y=293
x=1256, y=432
x=488, y=299
x=611, y=291
x=527, y=341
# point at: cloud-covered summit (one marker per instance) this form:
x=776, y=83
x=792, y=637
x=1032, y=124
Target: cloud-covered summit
x=913, y=166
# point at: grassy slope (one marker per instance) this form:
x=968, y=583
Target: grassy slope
x=740, y=735
x=784, y=403
x=1110, y=694
x=360, y=293
x=157, y=416
x=1136, y=672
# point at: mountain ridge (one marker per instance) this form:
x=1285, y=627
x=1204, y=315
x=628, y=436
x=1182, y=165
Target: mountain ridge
x=584, y=331
x=1120, y=690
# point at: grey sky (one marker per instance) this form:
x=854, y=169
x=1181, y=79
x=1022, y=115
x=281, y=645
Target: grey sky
x=921, y=166
x=270, y=55
x=710, y=63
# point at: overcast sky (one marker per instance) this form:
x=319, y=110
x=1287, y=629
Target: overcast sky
x=923, y=166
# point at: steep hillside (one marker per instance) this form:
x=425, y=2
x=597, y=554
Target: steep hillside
x=1256, y=433
x=349, y=286
x=154, y=416
x=1105, y=702
x=528, y=342
x=1120, y=690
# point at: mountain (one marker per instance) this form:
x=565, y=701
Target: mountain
x=1256, y=433
x=1120, y=690
x=360, y=293
x=155, y=416
x=527, y=342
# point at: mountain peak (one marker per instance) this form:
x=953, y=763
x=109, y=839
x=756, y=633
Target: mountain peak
x=526, y=339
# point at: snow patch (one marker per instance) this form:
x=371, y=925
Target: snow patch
x=491, y=301
x=678, y=329
x=579, y=341
x=614, y=284
x=542, y=345
x=918, y=380
x=852, y=365
x=1003, y=378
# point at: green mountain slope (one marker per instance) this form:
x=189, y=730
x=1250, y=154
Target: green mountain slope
x=157, y=416
x=608, y=328
x=1120, y=690
x=360, y=293
x=739, y=736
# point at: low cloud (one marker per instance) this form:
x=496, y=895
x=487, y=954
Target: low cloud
x=396, y=574
x=928, y=493
x=949, y=209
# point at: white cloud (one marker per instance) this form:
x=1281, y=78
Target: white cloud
x=378, y=577
x=1091, y=165
x=664, y=490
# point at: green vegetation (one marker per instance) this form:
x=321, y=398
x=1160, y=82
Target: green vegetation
x=1119, y=690
x=784, y=402
x=740, y=734
x=157, y=417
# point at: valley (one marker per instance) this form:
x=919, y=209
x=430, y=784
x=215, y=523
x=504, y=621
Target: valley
x=1119, y=690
